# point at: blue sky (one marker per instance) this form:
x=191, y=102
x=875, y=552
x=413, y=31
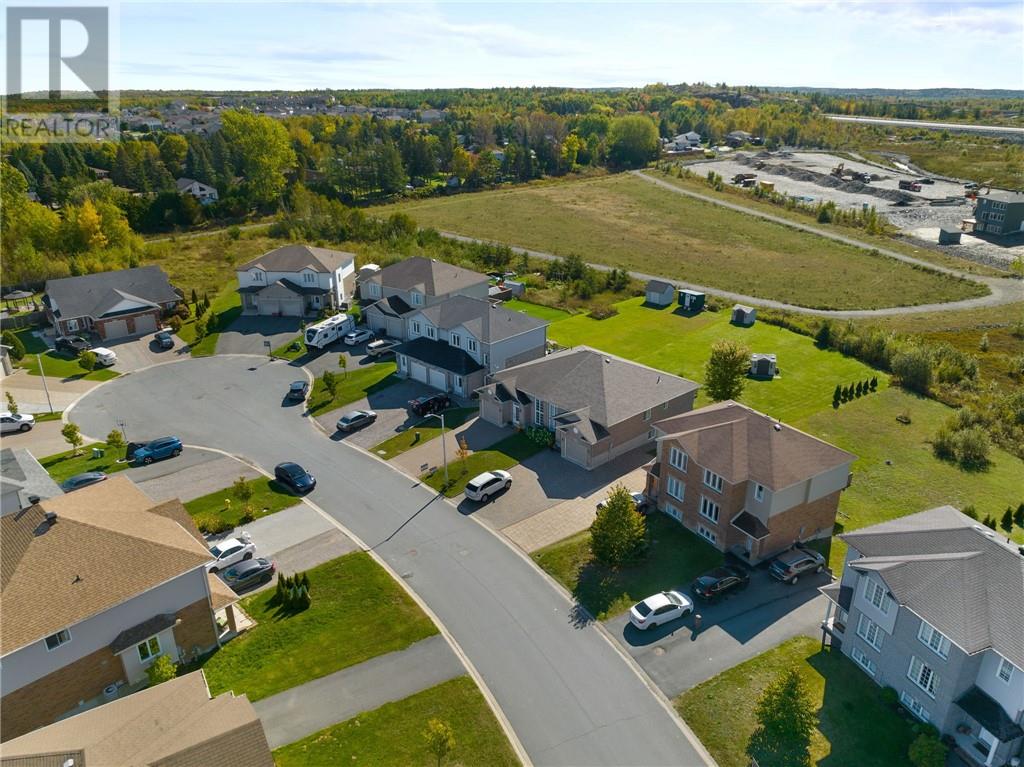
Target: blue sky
x=254, y=45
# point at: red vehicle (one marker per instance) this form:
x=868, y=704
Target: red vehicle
x=912, y=186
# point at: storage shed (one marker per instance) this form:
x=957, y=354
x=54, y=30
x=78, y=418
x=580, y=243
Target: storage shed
x=763, y=366
x=949, y=235
x=691, y=300
x=744, y=315
x=659, y=293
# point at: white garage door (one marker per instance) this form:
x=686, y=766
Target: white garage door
x=145, y=324
x=268, y=307
x=417, y=371
x=438, y=379
x=115, y=329
x=291, y=308
x=394, y=327
x=575, y=451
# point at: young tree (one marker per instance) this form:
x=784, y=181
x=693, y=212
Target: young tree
x=823, y=336
x=242, y=490
x=983, y=343
x=12, y=405
x=785, y=721
x=632, y=141
x=161, y=670
x=87, y=360
x=873, y=383
x=72, y=435
x=343, y=364
x=440, y=739
x=115, y=441
x=726, y=370
x=859, y=389
x=617, y=533
x=837, y=394
x=913, y=368
x=463, y=451
x=1006, y=523
x=989, y=522
x=330, y=383
x=1018, y=515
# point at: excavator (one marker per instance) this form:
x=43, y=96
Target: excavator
x=975, y=189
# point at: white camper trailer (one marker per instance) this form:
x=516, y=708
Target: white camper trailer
x=327, y=332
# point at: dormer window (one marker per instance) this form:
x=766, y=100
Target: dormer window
x=471, y=344
x=759, y=493
x=417, y=298
x=712, y=480
x=257, y=275
x=456, y=341
x=309, y=277
x=56, y=640
x=375, y=290
x=431, y=331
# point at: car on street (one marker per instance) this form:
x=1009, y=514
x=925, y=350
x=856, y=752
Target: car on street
x=790, y=565
x=16, y=421
x=84, y=479
x=660, y=608
x=484, y=486
x=157, y=449
x=381, y=348
x=430, y=403
x=164, y=340
x=71, y=344
x=721, y=580
x=249, y=573
x=297, y=391
x=105, y=357
x=358, y=336
x=231, y=551
x=295, y=477
x=356, y=419
x=639, y=501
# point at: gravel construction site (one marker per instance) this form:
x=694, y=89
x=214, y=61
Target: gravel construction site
x=809, y=177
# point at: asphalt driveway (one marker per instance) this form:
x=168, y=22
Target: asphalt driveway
x=247, y=334
x=143, y=351
x=392, y=414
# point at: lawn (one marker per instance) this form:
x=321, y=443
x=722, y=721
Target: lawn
x=291, y=350
x=549, y=313
x=855, y=726
x=353, y=385
x=681, y=344
x=393, y=733
x=268, y=497
x=501, y=455
x=357, y=613
x=423, y=432
x=55, y=364
x=624, y=221
x=675, y=557
x=62, y=466
x=226, y=308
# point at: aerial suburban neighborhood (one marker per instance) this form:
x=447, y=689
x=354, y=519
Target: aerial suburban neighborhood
x=374, y=394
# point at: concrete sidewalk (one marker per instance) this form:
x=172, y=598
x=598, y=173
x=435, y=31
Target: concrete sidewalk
x=30, y=394
x=308, y=708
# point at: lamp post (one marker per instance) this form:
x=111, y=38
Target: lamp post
x=42, y=374
x=444, y=448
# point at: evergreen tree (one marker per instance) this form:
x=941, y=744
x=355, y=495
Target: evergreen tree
x=1018, y=515
x=726, y=370
x=1006, y=523
x=617, y=533
x=786, y=718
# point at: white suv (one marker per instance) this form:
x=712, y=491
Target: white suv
x=483, y=486
x=16, y=421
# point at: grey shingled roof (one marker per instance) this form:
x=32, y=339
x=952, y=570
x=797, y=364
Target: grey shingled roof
x=956, y=574
x=20, y=472
x=488, y=323
x=430, y=277
x=612, y=388
x=93, y=295
x=439, y=354
x=658, y=286
x=295, y=258
x=1003, y=195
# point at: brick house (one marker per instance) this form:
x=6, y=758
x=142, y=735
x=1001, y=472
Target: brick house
x=745, y=482
x=97, y=584
x=113, y=305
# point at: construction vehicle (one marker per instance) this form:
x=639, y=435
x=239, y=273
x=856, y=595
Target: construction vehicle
x=838, y=170
x=912, y=186
x=739, y=178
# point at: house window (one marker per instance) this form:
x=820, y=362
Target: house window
x=914, y=707
x=72, y=325
x=874, y=592
x=709, y=509
x=921, y=674
x=1005, y=671
x=712, y=480
x=431, y=331
x=308, y=277
x=257, y=276
x=471, y=344
x=869, y=631
x=538, y=412
x=934, y=639
x=458, y=382
x=148, y=649
x=707, y=534
x=485, y=359
x=517, y=413
x=676, y=488
x=759, y=493
x=375, y=290
x=401, y=362
x=652, y=433
x=456, y=341
x=647, y=414
x=863, y=660
x=417, y=299
x=56, y=640
x=416, y=328
x=673, y=512
x=677, y=459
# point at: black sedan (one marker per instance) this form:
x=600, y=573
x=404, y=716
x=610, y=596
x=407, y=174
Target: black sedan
x=251, y=572
x=163, y=340
x=298, y=391
x=430, y=403
x=723, y=579
x=356, y=419
x=72, y=344
x=79, y=481
x=295, y=477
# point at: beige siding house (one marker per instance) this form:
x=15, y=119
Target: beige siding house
x=296, y=281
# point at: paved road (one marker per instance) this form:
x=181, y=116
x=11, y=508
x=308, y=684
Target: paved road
x=567, y=693
x=955, y=127
x=308, y=708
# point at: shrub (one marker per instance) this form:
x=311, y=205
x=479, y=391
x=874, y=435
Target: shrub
x=17, y=348
x=983, y=343
x=234, y=231
x=182, y=311
x=174, y=323
x=971, y=446
x=161, y=670
x=540, y=436
x=970, y=511
x=603, y=311
x=889, y=696
x=927, y=751
x=212, y=524
x=989, y=521
x=913, y=368
x=87, y=360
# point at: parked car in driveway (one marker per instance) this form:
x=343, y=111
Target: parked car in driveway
x=381, y=348
x=484, y=486
x=356, y=419
x=16, y=421
x=249, y=573
x=721, y=580
x=430, y=403
x=164, y=340
x=639, y=501
x=104, y=357
x=790, y=565
x=231, y=551
x=297, y=391
x=84, y=479
x=157, y=449
x=358, y=336
x=660, y=608
x=71, y=344
x=295, y=477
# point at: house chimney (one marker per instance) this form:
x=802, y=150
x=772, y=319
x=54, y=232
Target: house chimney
x=51, y=518
x=34, y=499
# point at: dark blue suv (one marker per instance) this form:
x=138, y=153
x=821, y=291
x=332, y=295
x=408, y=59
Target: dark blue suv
x=164, y=447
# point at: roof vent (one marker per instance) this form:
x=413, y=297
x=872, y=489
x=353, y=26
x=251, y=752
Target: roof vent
x=50, y=517
x=607, y=361
x=34, y=499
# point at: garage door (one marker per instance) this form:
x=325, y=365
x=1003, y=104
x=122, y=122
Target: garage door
x=268, y=308
x=115, y=329
x=291, y=308
x=145, y=324
x=574, y=450
x=394, y=327
x=438, y=379
x=417, y=371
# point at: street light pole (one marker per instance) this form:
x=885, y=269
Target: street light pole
x=444, y=447
x=42, y=374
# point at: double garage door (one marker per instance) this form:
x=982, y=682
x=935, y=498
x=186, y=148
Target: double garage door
x=282, y=307
x=417, y=371
x=420, y=372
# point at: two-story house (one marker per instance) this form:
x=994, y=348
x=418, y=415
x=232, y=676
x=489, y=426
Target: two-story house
x=296, y=281
x=396, y=291
x=932, y=605
x=745, y=482
x=204, y=193
x=452, y=345
x=599, y=406
x=1000, y=213
x=96, y=585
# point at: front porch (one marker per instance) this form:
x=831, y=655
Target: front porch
x=985, y=735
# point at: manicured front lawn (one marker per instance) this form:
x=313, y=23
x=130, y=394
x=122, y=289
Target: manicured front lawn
x=65, y=465
x=55, y=364
x=357, y=613
x=502, y=455
x=268, y=497
x=291, y=350
x=43, y=417
x=539, y=311
x=675, y=556
x=855, y=726
x=423, y=432
x=393, y=733
x=225, y=308
x=353, y=385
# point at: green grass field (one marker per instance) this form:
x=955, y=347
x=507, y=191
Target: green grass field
x=268, y=498
x=681, y=344
x=501, y=455
x=55, y=364
x=226, y=308
x=549, y=313
x=626, y=222
x=855, y=726
x=65, y=465
x=961, y=157
x=393, y=733
x=355, y=384
x=205, y=263
x=357, y=613
x=427, y=429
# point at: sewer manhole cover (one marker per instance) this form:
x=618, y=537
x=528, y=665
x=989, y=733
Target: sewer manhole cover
x=659, y=650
